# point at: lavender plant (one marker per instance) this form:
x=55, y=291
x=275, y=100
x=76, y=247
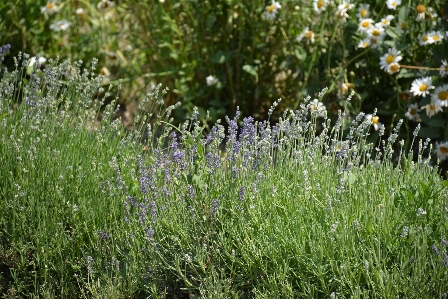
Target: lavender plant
x=295, y=209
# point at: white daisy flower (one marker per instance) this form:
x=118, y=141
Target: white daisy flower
x=421, y=86
x=412, y=113
x=432, y=109
x=105, y=71
x=393, y=68
x=392, y=57
x=363, y=11
x=307, y=34
x=105, y=5
x=435, y=36
x=342, y=15
x=444, y=68
x=61, y=25
x=421, y=13
x=40, y=61
x=376, y=32
x=320, y=5
x=50, y=9
x=345, y=5
x=211, y=80
x=392, y=4
x=374, y=120
x=365, y=24
x=364, y=43
x=317, y=108
x=442, y=151
x=440, y=95
x=386, y=21
x=425, y=39
x=271, y=10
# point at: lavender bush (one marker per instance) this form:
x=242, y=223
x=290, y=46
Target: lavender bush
x=91, y=209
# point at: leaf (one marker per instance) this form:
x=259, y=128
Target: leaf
x=300, y=53
x=220, y=57
x=253, y=70
x=391, y=32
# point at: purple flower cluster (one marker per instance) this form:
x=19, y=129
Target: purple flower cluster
x=3, y=50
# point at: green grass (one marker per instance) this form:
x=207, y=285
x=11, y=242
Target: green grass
x=295, y=210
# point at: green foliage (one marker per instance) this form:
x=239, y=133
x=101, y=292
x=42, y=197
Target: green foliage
x=91, y=209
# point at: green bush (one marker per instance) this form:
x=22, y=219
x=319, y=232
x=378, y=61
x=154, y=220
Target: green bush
x=91, y=209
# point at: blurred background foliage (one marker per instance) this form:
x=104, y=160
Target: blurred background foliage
x=255, y=57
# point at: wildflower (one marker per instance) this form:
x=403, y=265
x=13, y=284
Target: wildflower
x=365, y=24
x=421, y=9
x=320, y=5
x=405, y=95
x=61, y=25
x=363, y=11
x=112, y=58
x=306, y=33
x=39, y=59
x=392, y=4
x=435, y=36
x=412, y=113
x=440, y=95
x=444, y=68
x=272, y=9
x=442, y=151
x=80, y=11
x=425, y=39
x=342, y=15
x=374, y=120
x=318, y=108
x=420, y=212
x=50, y=9
x=432, y=108
x=105, y=5
x=211, y=80
x=345, y=87
x=421, y=87
x=345, y=5
x=386, y=21
x=215, y=206
x=389, y=62
x=105, y=71
x=376, y=32
x=364, y=43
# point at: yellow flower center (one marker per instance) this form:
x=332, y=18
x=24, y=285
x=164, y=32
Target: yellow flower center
x=345, y=5
x=50, y=5
x=365, y=44
x=423, y=87
x=403, y=25
x=421, y=8
x=390, y=59
x=375, y=119
x=365, y=24
x=412, y=111
x=443, y=150
x=443, y=95
x=376, y=32
x=320, y=4
x=271, y=8
x=309, y=34
x=435, y=37
x=385, y=22
x=395, y=68
x=425, y=38
x=394, y=3
x=432, y=107
x=363, y=13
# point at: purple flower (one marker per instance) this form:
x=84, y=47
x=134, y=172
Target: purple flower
x=191, y=191
x=444, y=242
x=103, y=235
x=436, y=251
x=242, y=191
x=149, y=233
x=215, y=206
